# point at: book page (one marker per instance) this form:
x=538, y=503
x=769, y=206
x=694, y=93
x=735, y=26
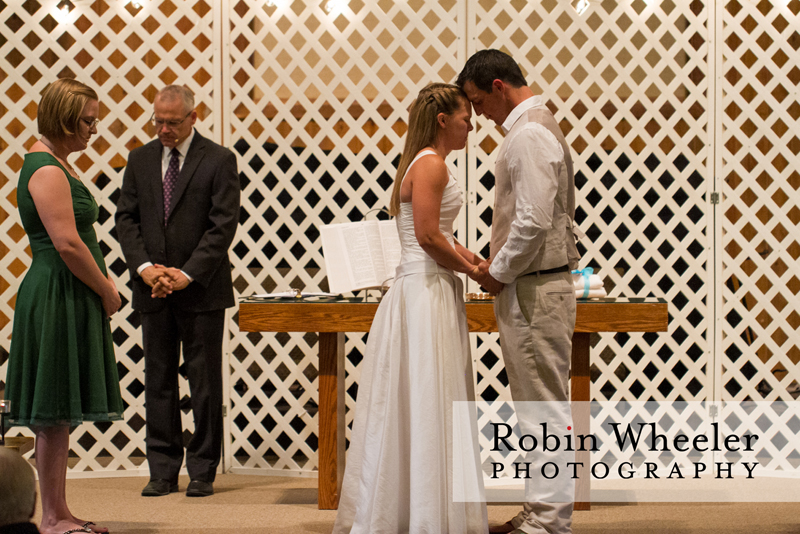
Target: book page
x=334, y=253
x=354, y=255
x=364, y=253
x=372, y=234
x=391, y=246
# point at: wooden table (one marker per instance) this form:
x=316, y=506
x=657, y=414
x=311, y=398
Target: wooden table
x=331, y=319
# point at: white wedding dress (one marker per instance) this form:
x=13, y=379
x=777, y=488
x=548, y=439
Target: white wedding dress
x=408, y=446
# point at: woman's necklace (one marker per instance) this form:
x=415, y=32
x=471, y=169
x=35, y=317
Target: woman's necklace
x=50, y=146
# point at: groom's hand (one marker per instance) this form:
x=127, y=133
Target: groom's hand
x=487, y=281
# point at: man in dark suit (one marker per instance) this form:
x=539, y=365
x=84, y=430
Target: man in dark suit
x=176, y=218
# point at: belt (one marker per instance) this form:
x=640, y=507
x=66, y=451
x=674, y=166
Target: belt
x=554, y=270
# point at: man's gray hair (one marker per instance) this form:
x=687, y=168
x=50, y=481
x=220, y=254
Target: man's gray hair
x=172, y=92
x=17, y=488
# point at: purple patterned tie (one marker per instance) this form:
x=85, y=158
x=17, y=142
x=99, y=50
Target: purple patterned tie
x=170, y=178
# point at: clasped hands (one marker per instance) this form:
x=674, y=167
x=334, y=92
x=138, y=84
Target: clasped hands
x=164, y=280
x=480, y=273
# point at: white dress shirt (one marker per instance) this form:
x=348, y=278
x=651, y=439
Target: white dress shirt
x=534, y=159
x=166, y=154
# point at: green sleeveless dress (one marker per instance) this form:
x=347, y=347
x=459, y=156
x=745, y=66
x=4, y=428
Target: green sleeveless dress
x=61, y=366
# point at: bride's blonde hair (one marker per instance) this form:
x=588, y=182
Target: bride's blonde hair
x=423, y=129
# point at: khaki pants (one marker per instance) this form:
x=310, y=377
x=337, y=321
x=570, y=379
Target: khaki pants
x=536, y=320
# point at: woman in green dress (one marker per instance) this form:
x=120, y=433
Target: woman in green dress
x=61, y=368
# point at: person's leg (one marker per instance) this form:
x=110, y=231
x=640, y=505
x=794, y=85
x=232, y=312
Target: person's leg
x=201, y=334
x=536, y=319
x=541, y=327
x=162, y=404
x=52, y=451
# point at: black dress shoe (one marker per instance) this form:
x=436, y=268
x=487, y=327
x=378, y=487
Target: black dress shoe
x=199, y=488
x=158, y=488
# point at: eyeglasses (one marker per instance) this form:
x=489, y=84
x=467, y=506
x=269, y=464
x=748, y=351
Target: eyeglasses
x=91, y=123
x=158, y=123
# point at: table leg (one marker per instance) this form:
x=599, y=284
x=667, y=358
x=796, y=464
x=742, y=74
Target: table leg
x=580, y=383
x=331, y=419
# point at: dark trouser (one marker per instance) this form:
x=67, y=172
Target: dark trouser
x=201, y=336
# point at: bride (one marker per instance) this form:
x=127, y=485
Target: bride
x=409, y=444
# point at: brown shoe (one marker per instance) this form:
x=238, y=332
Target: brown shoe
x=505, y=528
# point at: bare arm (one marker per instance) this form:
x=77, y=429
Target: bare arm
x=51, y=194
x=468, y=255
x=427, y=179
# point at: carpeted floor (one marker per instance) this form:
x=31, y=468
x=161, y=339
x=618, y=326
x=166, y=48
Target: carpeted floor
x=248, y=504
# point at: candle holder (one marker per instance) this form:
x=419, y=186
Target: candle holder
x=5, y=407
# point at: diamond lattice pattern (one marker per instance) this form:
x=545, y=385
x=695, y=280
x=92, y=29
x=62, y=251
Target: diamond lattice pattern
x=760, y=157
x=313, y=97
x=126, y=54
x=627, y=82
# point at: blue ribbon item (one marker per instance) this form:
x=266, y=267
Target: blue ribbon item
x=586, y=273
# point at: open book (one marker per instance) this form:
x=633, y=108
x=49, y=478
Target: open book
x=360, y=255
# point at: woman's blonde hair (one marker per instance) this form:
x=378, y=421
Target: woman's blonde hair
x=423, y=127
x=60, y=108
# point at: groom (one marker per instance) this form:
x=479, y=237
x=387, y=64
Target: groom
x=532, y=252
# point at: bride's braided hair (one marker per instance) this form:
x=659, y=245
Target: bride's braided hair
x=433, y=99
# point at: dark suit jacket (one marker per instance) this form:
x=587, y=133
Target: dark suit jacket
x=202, y=223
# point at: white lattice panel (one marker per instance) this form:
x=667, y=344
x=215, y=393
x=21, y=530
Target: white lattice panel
x=320, y=94
x=760, y=216
x=627, y=84
x=125, y=54
x=313, y=97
